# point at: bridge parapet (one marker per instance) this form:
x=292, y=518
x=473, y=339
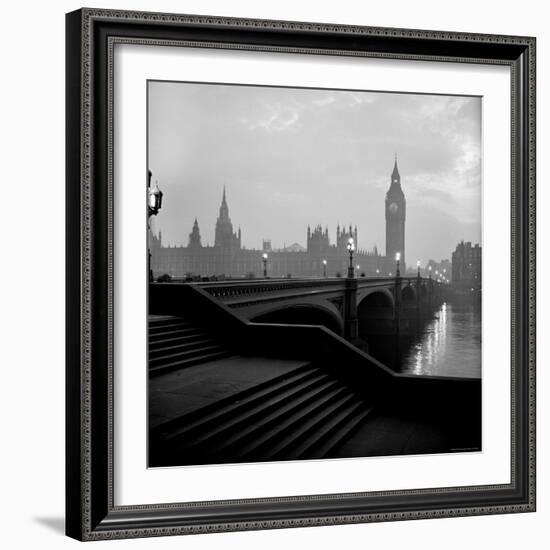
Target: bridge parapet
x=234, y=289
x=388, y=304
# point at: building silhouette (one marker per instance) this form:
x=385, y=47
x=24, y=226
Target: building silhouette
x=395, y=218
x=228, y=258
x=467, y=266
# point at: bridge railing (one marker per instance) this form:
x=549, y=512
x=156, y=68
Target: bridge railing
x=230, y=289
x=234, y=289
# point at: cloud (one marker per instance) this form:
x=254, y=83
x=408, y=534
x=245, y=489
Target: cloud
x=290, y=157
x=279, y=119
x=324, y=101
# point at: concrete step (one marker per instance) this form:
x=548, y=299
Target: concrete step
x=156, y=370
x=179, y=345
x=190, y=335
x=336, y=430
x=258, y=441
x=170, y=332
x=306, y=422
x=157, y=324
x=240, y=425
x=187, y=353
x=210, y=415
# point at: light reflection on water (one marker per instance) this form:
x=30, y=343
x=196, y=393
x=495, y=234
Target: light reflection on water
x=450, y=344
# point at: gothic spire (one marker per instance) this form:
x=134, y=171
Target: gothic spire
x=395, y=173
x=395, y=190
x=224, y=209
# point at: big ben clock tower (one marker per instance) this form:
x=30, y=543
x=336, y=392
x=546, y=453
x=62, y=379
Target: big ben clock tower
x=395, y=220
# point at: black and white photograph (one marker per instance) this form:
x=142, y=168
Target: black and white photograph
x=270, y=275
x=314, y=273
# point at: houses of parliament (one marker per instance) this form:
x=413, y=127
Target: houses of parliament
x=228, y=258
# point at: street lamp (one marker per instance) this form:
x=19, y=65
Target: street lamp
x=429, y=271
x=155, y=200
x=377, y=271
x=264, y=260
x=325, y=269
x=397, y=258
x=154, y=204
x=351, y=248
x=418, y=268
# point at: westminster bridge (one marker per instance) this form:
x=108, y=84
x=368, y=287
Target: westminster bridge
x=350, y=307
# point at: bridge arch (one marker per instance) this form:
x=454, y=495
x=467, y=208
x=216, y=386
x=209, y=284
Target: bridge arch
x=408, y=295
x=303, y=314
x=375, y=314
x=377, y=304
x=377, y=297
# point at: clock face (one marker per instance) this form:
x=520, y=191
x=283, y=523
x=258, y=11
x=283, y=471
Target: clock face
x=393, y=207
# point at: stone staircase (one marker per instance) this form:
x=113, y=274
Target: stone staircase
x=303, y=414
x=176, y=343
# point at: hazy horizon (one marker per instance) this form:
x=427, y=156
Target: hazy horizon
x=290, y=157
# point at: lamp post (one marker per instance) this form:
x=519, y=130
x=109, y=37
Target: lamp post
x=155, y=200
x=264, y=260
x=154, y=204
x=377, y=271
x=397, y=258
x=418, y=268
x=325, y=269
x=351, y=248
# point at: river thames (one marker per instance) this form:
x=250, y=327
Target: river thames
x=447, y=345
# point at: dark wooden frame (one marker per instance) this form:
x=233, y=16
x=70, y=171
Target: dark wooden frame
x=91, y=514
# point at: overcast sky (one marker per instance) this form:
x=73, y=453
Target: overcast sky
x=292, y=157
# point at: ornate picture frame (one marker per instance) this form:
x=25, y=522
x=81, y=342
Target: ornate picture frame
x=91, y=511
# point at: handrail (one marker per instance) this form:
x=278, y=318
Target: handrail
x=221, y=290
x=230, y=289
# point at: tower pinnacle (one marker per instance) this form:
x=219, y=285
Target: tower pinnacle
x=224, y=209
x=395, y=174
x=224, y=236
x=195, y=235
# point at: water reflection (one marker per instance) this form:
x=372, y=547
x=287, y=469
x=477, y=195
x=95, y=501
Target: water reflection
x=448, y=345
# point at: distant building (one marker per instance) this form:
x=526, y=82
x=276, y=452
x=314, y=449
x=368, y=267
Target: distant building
x=229, y=258
x=467, y=266
x=443, y=268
